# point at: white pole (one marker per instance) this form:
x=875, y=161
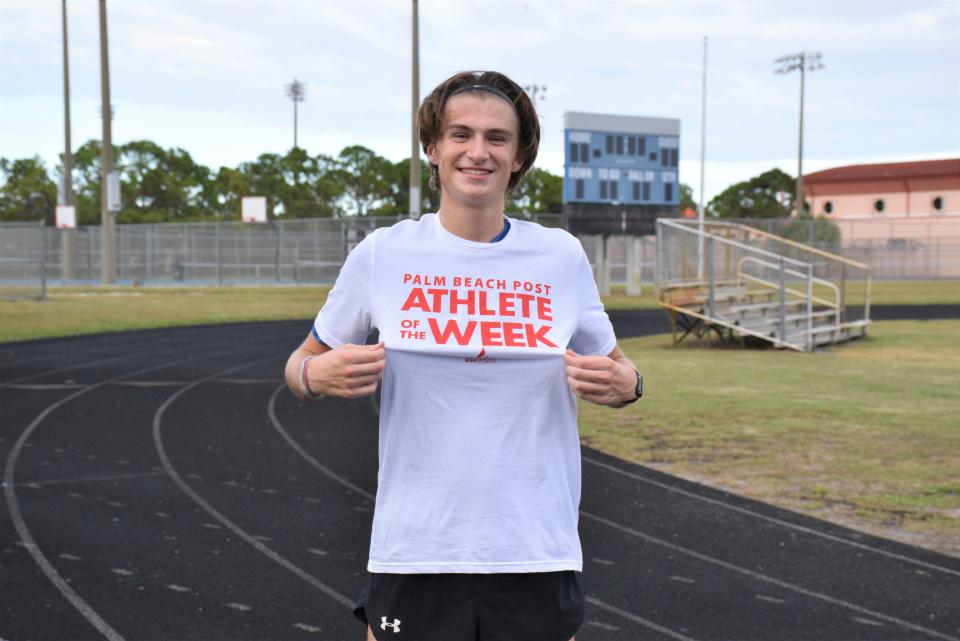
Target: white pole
x=703, y=146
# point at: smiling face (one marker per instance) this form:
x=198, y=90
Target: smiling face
x=476, y=151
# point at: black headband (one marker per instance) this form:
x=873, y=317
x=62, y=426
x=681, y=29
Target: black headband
x=478, y=87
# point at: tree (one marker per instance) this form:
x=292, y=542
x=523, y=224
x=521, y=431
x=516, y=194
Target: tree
x=539, y=192
x=86, y=182
x=686, y=199
x=370, y=180
x=755, y=198
x=400, y=202
x=26, y=191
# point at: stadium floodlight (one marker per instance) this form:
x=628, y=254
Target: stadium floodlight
x=534, y=90
x=804, y=61
x=297, y=92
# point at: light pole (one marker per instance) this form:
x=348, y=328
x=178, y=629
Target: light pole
x=533, y=90
x=67, y=153
x=804, y=61
x=414, y=137
x=109, y=183
x=297, y=92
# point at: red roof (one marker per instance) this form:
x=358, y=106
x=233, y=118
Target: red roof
x=892, y=170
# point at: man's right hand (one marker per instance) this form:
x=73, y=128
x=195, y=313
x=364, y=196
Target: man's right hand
x=349, y=371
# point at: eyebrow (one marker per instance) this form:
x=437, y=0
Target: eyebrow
x=501, y=132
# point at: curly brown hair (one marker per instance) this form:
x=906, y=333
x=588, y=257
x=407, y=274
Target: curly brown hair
x=430, y=117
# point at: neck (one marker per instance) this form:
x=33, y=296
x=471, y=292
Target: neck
x=478, y=224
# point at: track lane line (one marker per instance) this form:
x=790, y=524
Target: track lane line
x=771, y=519
x=216, y=514
x=13, y=503
x=767, y=579
x=376, y=408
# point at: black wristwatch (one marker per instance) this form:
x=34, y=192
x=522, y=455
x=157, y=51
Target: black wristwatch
x=639, y=388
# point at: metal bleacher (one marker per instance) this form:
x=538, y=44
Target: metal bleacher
x=737, y=283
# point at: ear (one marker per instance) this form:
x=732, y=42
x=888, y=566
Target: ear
x=517, y=164
x=432, y=154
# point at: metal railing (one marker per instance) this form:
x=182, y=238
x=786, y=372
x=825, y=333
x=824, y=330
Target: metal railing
x=715, y=266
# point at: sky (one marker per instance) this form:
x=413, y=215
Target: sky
x=209, y=75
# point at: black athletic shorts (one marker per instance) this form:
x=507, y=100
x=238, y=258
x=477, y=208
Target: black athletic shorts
x=537, y=606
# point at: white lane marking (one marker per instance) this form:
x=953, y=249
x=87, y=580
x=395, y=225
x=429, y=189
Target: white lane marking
x=45, y=386
x=212, y=526
x=271, y=411
x=199, y=500
x=310, y=499
x=88, y=479
x=177, y=588
x=682, y=579
x=162, y=515
x=116, y=504
x=69, y=557
x=316, y=551
x=122, y=571
x=23, y=531
x=867, y=622
x=261, y=537
x=602, y=561
x=13, y=503
x=307, y=627
x=150, y=383
x=767, y=579
x=630, y=616
x=238, y=606
x=771, y=519
x=603, y=626
x=768, y=599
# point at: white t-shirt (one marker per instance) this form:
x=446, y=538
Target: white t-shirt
x=479, y=453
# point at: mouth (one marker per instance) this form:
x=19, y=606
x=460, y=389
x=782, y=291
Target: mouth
x=475, y=171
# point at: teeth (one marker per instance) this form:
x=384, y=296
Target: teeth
x=476, y=172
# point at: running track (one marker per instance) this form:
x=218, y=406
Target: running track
x=165, y=485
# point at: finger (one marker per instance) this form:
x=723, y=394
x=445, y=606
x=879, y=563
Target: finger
x=358, y=392
x=362, y=381
x=362, y=355
x=591, y=375
x=585, y=387
x=595, y=362
x=362, y=369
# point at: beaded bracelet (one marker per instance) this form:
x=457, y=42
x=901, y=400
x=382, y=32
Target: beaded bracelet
x=304, y=382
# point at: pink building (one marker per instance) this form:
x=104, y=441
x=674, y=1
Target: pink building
x=901, y=201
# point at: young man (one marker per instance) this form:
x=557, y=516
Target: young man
x=489, y=327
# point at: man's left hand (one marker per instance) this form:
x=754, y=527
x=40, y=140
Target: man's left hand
x=601, y=379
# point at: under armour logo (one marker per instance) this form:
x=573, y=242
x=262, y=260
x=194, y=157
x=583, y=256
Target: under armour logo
x=395, y=625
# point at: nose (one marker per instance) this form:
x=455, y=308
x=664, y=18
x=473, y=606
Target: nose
x=478, y=148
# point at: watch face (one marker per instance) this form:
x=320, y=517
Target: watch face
x=639, y=385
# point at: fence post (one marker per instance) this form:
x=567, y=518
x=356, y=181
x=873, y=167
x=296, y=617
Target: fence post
x=43, y=263
x=783, y=300
x=219, y=253
x=711, y=275
x=633, y=266
x=296, y=262
x=842, y=312
x=809, y=307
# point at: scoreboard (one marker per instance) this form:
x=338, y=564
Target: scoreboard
x=621, y=160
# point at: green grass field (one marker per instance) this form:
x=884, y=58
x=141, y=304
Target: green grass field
x=864, y=434
x=86, y=310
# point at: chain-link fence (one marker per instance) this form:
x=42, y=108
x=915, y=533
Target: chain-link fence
x=23, y=260
x=312, y=251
